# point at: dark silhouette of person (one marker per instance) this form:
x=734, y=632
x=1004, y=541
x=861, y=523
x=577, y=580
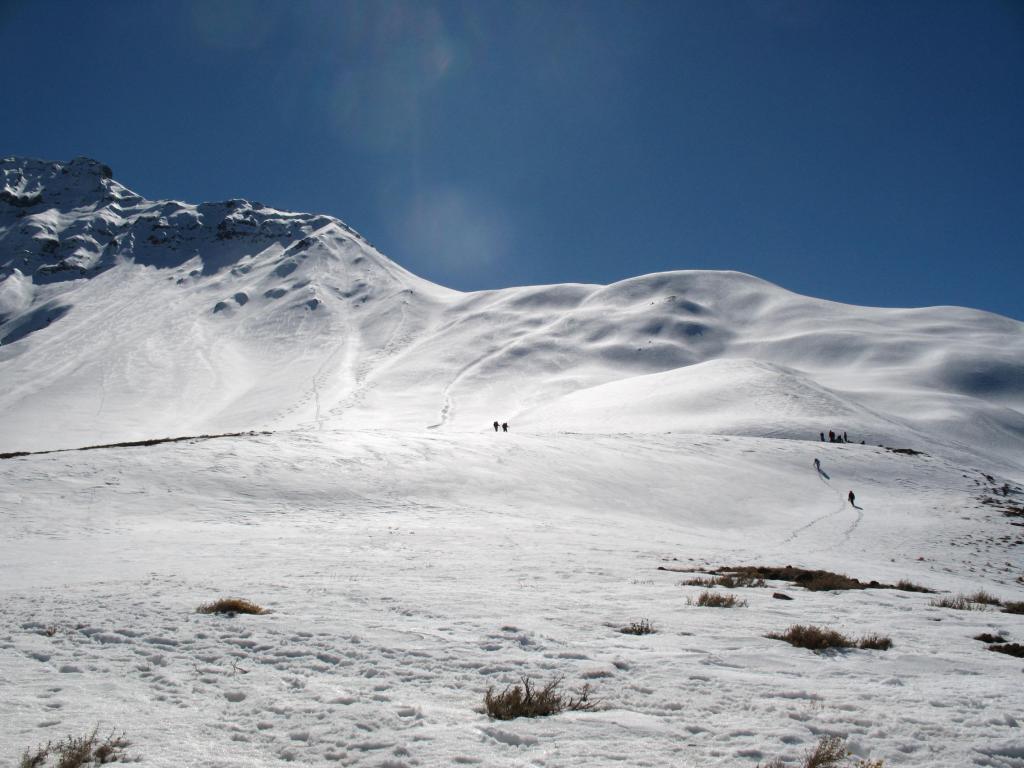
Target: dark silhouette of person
x=495, y=426
x=831, y=436
x=817, y=465
x=850, y=497
x=845, y=438
x=504, y=426
x=822, y=436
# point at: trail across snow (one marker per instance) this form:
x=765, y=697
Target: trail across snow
x=408, y=572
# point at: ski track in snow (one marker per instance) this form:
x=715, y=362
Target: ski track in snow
x=406, y=573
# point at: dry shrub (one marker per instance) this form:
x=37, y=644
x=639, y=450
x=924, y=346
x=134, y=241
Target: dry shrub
x=983, y=597
x=874, y=643
x=716, y=600
x=232, y=605
x=961, y=602
x=642, y=627
x=829, y=752
x=727, y=580
x=1012, y=649
x=1016, y=607
x=815, y=638
x=905, y=585
x=524, y=700
x=822, y=638
x=75, y=752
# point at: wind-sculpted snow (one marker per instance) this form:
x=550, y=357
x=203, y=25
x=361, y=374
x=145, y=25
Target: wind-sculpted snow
x=123, y=318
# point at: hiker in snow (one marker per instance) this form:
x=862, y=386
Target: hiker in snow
x=845, y=438
x=495, y=426
x=850, y=498
x=831, y=436
x=822, y=436
x=504, y=426
x=817, y=465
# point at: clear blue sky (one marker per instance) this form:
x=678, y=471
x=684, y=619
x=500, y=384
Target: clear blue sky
x=869, y=152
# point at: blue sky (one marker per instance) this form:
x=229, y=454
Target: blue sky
x=867, y=152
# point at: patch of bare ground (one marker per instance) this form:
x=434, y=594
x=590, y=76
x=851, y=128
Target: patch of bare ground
x=814, y=580
x=1011, y=649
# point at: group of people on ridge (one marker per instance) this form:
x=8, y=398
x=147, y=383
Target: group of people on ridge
x=503, y=426
x=834, y=438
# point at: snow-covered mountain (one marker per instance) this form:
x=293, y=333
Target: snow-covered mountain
x=123, y=318
x=410, y=559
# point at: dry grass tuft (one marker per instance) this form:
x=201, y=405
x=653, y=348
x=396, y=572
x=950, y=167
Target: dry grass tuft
x=231, y=606
x=524, y=700
x=983, y=597
x=716, y=600
x=975, y=602
x=829, y=752
x=727, y=580
x=1016, y=607
x=814, y=638
x=905, y=585
x=874, y=643
x=642, y=627
x=822, y=638
x=75, y=752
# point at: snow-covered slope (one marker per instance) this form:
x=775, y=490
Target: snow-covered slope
x=407, y=572
x=122, y=318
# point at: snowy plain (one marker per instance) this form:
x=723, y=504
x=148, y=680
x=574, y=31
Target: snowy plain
x=411, y=557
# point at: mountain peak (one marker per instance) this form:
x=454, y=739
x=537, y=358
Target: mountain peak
x=67, y=220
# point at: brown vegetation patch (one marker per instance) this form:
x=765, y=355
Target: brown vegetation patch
x=829, y=752
x=727, y=580
x=642, y=627
x=133, y=444
x=977, y=601
x=1014, y=607
x=823, y=638
x=75, y=752
x=523, y=699
x=814, y=580
x=716, y=600
x=983, y=597
x=906, y=451
x=232, y=605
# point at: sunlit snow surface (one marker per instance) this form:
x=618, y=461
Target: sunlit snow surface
x=411, y=557
x=408, y=572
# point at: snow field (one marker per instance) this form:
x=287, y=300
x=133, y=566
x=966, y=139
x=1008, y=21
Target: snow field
x=407, y=572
